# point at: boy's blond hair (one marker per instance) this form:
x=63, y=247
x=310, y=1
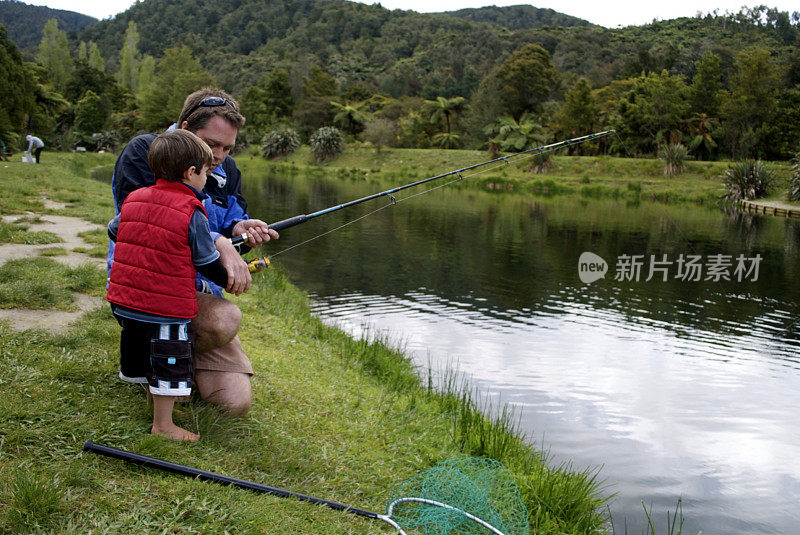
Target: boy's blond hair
x=173, y=152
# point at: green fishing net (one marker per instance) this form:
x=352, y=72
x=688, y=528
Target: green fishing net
x=442, y=500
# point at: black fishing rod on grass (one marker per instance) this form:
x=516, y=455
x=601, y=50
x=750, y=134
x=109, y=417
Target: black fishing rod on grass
x=302, y=218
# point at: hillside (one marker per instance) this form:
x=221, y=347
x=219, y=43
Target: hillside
x=522, y=17
x=398, y=52
x=24, y=22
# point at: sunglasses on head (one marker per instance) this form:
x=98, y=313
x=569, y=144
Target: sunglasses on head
x=212, y=102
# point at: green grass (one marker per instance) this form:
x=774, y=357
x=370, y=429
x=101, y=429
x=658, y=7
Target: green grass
x=98, y=239
x=17, y=232
x=61, y=177
x=43, y=283
x=53, y=251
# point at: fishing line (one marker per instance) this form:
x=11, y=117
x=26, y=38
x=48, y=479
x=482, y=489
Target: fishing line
x=330, y=231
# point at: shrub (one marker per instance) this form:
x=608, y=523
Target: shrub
x=381, y=132
x=326, y=144
x=541, y=162
x=747, y=180
x=794, y=181
x=279, y=143
x=673, y=155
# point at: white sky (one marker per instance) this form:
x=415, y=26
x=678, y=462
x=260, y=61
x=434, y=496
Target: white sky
x=610, y=13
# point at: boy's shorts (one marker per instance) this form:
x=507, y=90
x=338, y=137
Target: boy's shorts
x=159, y=355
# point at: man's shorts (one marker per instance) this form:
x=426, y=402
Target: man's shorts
x=228, y=358
x=159, y=355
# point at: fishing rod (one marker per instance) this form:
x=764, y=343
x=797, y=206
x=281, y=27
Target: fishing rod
x=298, y=219
x=302, y=218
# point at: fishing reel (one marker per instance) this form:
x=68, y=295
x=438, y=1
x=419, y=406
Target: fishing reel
x=257, y=265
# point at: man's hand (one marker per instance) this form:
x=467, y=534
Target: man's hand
x=239, y=278
x=257, y=231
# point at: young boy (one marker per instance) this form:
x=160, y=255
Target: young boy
x=163, y=240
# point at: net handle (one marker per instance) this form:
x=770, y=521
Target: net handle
x=387, y=516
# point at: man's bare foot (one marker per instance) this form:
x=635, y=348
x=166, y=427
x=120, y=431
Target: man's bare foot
x=173, y=432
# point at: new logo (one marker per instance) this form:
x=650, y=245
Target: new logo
x=591, y=267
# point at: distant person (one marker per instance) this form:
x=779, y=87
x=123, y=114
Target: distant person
x=35, y=146
x=4, y=154
x=222, y=369
x=162, y=240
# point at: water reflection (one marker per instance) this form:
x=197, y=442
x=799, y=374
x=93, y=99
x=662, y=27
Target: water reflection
x=675, y=388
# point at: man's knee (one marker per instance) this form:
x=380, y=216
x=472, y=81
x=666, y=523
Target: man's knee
x=217, y=322
x=229, y=390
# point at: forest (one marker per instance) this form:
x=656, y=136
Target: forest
x=503, y=79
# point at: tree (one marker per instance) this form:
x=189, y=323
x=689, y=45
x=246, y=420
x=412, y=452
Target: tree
x=751, y=104
x=113, y=96
x=129, y=58
x=85, y=78
x=446, y=140
x=515, y=136
x=706, y=91
x=16, y=92
x=96, y=61
x=702, y=131
x=178, y=74
x=311, y=114
x=53, y=54
x=782, y=133
x=90, y=114
x=267, y=104
x=318, y=83
x=356, y=93
x=278, y=98
x=525, y=80
x=416, y=131
x=654, y=111
x=444, y=108
x=381, y=132
x=350, y=116
x=50, y=106
x=254, y=107
x=578, y=114
x=147, y=74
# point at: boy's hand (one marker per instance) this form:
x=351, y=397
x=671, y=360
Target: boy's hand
x=257, y=231
x=239, y=277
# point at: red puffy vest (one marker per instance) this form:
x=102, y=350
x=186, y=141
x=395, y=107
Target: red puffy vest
x=153, y=270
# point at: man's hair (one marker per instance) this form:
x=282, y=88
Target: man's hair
x=198, y=119
x=173, y=152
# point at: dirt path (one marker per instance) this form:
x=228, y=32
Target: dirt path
x=67, y=228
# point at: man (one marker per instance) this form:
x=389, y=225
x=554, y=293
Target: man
x=222, y=370
x=35, y=144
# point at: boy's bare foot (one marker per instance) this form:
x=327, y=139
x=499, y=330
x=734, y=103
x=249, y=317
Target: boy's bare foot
x=173, y=432
x=179, y=399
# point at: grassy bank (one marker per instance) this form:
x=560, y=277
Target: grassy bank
x=586, y=176
x=334, y=417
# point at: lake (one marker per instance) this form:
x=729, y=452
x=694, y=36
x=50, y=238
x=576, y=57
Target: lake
x=686, y=387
